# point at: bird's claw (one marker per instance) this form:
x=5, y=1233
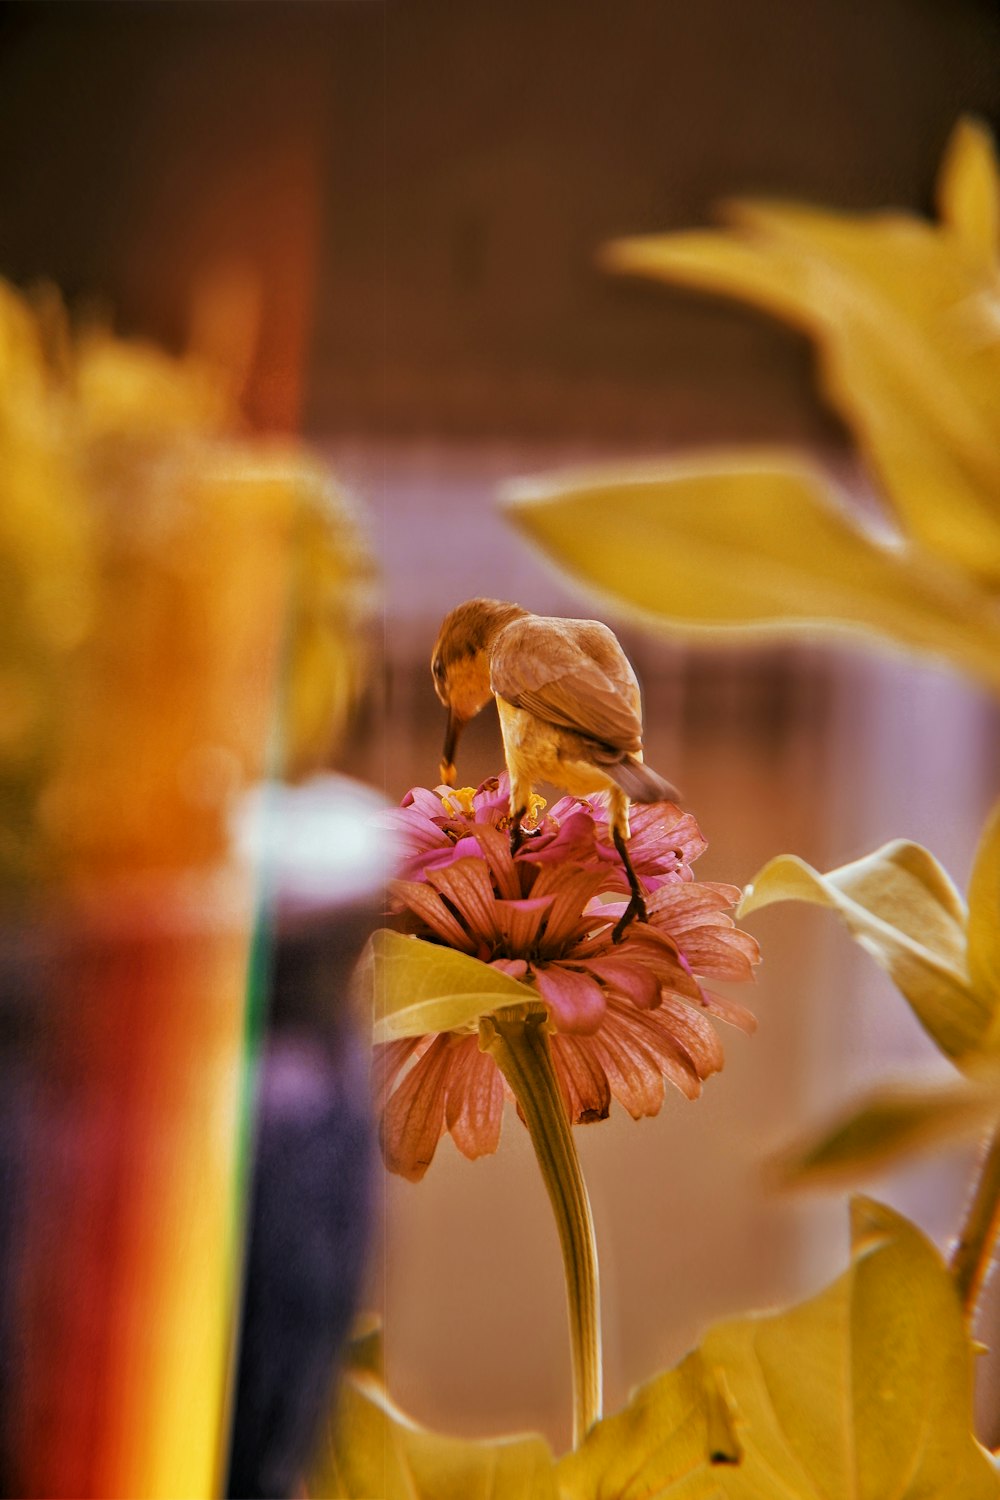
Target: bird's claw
x=635, y=911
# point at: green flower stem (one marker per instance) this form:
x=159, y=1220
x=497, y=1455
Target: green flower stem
x=970, y=1259
x=520, y=1047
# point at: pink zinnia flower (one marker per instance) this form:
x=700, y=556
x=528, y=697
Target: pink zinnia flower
x=626, y=1015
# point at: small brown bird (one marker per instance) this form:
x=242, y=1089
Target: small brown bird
x=570, y=711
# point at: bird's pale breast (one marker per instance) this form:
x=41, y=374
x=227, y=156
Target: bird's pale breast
x=537, y=751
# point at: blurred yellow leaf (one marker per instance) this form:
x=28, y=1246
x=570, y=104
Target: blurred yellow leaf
x=153, y=567
x=750, y=539
x=864, y=1391
x=48, y=587
x=905, y=316
x=968, y=192
x=984, y=917
x=907, y=356
x=889, y=1124
x=332, y=598
x=131, y=391
x=720, y=264
x=413, y=988
x=374, y=1451
x=900, y=905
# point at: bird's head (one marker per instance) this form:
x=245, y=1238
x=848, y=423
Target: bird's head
x=460, y=666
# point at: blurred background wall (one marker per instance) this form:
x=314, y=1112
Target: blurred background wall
x=387, y=215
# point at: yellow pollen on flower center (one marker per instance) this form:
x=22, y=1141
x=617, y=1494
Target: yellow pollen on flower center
x=459, y=801
x=535, y=806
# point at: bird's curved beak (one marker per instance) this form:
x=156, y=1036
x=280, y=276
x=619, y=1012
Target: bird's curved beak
x=455, y=726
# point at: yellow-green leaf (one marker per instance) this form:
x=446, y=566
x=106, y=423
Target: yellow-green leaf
x=968, y=190
x=414, y=988
x=909, y=355
x=864, y=1391
x=721, y=264
x=753, y=539
x=900, y=905
x=663, y=1444
x=894, y=1122
x=374, y=1451
x=984, y=917
x=904, y=320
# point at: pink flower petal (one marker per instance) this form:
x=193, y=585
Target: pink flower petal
x=388, y=1061
x=426, y=904
x=423, y=800
x=662, y=834
x=474, y=1111
x=562, y=809
x=413, y=1118
x=642, y=947
x=633, y=1071
x=491, y=802
x=573, y=841
x=607, y=911
x=684, y=903
x=414, y=826
x=417, y=866
x=647, y=948
x=582, y=1080
x=468, y=886
x=572, y=889
x=729, y=1010
x=645, y=1039
x=631, y=980
x=515, y=967
x=690, y=1033
x=598, y=803
x=575, y=1000
x=720, y=955
x=495, y=846
x=518, y=922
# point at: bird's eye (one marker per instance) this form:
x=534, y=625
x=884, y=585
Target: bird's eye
x=438, y=669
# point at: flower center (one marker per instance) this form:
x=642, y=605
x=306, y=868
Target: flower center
x=460, y=801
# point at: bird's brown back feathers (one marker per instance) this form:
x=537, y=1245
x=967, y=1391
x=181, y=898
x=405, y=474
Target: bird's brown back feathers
x=571, y=673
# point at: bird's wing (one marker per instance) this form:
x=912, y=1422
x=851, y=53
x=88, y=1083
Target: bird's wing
x=572, y=673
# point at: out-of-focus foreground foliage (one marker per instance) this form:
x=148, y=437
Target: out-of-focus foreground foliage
x=831, y=1397
x=904, y=315
x=150, y=553
x=944, y=958
x=183, y=606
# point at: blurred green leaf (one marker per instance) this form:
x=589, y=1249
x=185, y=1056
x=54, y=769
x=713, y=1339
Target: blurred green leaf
x=749, y=539
x=413, y=988
x=969, y=191
x=864, y=1391
x=373, y=1451
x=902, y=908
x=889, y=1124
x=984, y=918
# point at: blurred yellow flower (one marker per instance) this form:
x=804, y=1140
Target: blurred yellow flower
x=175, y=591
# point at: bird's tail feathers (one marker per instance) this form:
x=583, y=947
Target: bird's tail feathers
x=640, y=782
